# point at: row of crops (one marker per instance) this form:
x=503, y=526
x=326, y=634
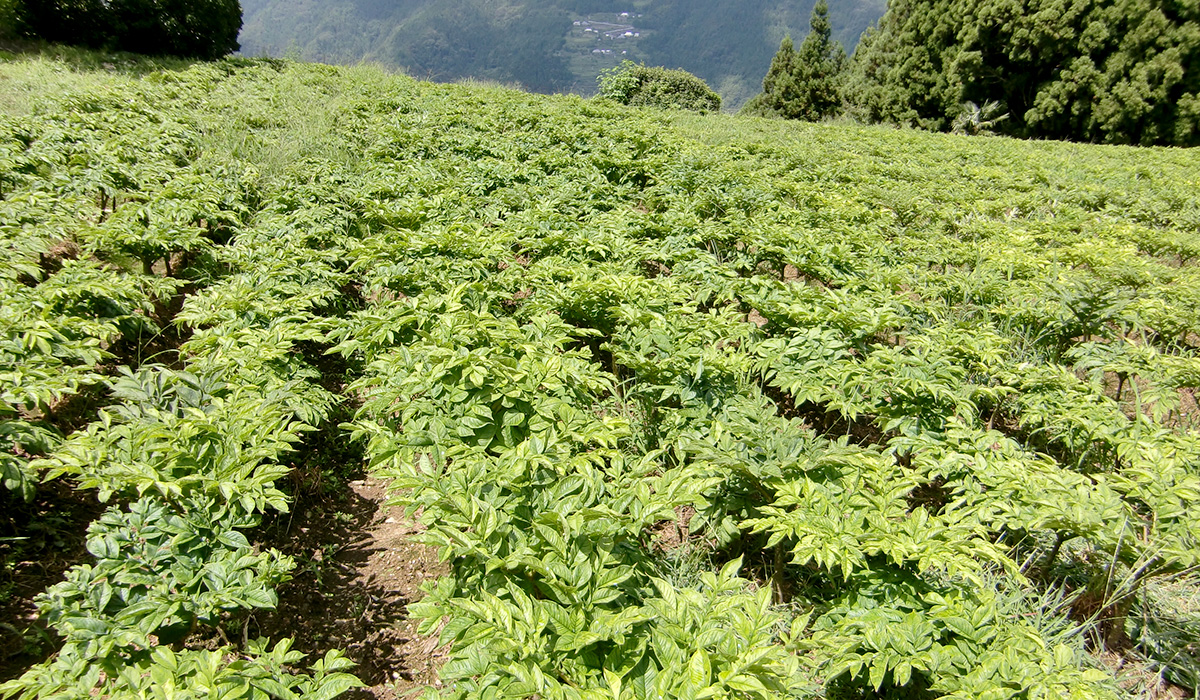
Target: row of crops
x=693, y=407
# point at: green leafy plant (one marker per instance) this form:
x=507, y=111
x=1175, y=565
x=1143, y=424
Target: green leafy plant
x=634, y=84
x=687, y=407
x=977, y=120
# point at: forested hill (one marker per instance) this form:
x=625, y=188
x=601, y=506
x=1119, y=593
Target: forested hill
x=538, y=44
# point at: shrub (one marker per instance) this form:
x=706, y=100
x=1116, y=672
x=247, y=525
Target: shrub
x=635, y=84
x=205, y=29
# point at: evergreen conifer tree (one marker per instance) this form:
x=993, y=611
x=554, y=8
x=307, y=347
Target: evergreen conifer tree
x=1110, y=71
x=805, y=83
x=779, y=83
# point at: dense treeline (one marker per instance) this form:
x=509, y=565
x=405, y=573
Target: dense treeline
x=205, y=29
x=1115, y=71
x=1104, y=71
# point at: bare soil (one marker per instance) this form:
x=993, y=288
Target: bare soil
x=357, y=570
x=668, y=536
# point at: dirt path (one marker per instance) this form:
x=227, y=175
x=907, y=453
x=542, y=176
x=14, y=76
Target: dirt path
x=357, y=569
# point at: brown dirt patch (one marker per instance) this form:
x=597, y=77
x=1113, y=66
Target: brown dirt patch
x=51, y=261
x=653, y=269
x=357, y=570
x=670, y=535
x=518, y=299
x=1187, y=416
x=756, y=318
x=75, y=411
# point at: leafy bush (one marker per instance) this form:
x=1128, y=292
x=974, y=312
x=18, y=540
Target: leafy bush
x=8, y=18
x=639, y=85
x=204, y=29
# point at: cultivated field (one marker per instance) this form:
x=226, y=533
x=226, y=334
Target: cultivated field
x=671, y=406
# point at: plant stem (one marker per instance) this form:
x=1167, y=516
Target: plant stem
x=1044, y=567
x=777, y=579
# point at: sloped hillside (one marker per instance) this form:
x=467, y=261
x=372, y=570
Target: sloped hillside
x=685, y=406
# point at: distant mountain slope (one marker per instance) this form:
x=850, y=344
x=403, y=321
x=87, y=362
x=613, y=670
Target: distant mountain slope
x=440, y=39
x=546, y=45
x=730, y=44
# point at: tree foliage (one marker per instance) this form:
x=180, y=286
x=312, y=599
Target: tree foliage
x=199, y=28
x=78, y=22
x=804, y=84
x=206, y=29
x=1111, y=71
x=654, y=86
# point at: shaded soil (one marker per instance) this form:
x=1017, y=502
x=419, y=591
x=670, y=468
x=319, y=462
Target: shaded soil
x=357, y=570
x=39, y=541
x=1140, y=679
x=75, y=411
